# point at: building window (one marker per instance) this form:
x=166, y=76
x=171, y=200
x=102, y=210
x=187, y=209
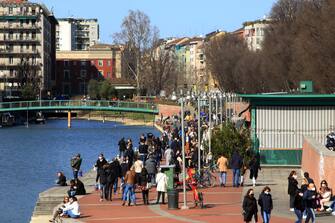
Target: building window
x=74, y=63
x=11, y=72
x=66, y=75
x=108, y=75
x=101, y=73
x=10, y=10
x=101, y=63
x=27, y=46
x=11, y=60
x=83, y=63
x=66, y=63
x=109, y=63
x=83, y=73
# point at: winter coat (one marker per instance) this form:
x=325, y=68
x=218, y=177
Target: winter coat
x=236, y=161
x=309, y=200
x=99, y=164
x=161, y=181
x=151, y=165
x=249, y=207
x=124, y=168
x=292, y=186
x=265, y=202
x=223, y=164
x=254, y=166
x=298, y=202
x=103, y=176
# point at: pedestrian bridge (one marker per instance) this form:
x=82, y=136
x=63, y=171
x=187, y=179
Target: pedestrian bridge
x=75, y=105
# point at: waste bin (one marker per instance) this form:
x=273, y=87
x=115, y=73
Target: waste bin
x=169, y=171
x=173, y=199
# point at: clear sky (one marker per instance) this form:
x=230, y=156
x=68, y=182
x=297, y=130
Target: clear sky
x=172, y=17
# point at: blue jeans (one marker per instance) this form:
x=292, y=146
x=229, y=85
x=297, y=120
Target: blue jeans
x=102, y=191
x=143, y=157
x=298, y=213
x=223, y=178
x=115, y=185
x=70, y=214
x=75, y=174
x=236, y=177
x=310, y=215
x=129, y=192
x=266, y=217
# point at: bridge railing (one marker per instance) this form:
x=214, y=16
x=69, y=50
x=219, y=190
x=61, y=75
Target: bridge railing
x=78, y=104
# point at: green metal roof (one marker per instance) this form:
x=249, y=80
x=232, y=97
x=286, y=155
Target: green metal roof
x=290, y=99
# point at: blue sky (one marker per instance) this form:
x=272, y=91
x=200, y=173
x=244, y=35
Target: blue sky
x=172, y=17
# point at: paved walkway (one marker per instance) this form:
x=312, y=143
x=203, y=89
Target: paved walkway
x=222, y=205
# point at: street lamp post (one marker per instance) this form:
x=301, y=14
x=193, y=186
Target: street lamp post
x=199, y=132
x=216, y=109
x=183, y=152
x=210, y=123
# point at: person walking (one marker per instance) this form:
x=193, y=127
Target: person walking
x=310, y=202
x=254, y=166
x=299, y=206
x=168, y=155
x=103, y=182
x=223, y=166
x=101, y=161
x=143, y=184
x=292, y=188
x=236, y=164
x=266, y=204
x=151, y=166
x=128, y=192
x=75, y=164
x=250, y=206
x=161, y=181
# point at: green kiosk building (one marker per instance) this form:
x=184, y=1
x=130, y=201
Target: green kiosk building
x=279, y=123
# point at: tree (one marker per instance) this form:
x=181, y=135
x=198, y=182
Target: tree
x=28, y=79
x=106, y=90
x=228, y=139
x=93, y=89
x=161, y=68
x=137, y=35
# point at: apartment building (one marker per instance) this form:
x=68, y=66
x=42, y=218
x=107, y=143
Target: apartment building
x=76, y=34
x=76, y=68
x=254, y=33
x=27, y=42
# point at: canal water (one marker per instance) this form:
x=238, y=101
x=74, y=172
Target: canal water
x=30, y=158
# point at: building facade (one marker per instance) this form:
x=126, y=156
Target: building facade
x=76, y=68
x=27, y=43
x=254, y=33
x=76, y=34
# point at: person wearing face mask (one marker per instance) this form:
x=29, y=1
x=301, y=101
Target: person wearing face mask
x=292, y=188
x=98, y=166
x=250, y=206
x=266, y=204
x=310, y=202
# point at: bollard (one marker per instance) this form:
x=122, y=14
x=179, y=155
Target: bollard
x=69, y=119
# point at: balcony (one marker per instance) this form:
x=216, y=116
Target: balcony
x=6, y=66
x=6, y=53
x=18, y=27
x=20, y=40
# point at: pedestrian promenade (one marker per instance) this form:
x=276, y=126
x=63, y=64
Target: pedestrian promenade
x=223, y=204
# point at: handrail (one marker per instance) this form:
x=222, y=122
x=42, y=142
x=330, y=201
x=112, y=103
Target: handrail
x=80, y=105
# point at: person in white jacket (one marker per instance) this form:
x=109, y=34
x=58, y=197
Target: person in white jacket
x=72, y=210
x=161, y=181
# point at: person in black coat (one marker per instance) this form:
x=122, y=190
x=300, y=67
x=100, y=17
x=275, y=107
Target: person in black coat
x=129, y=153
x=292, y=188
x=299, y=206
x=122, y=147
x=254, y=166
x=80, y=187
x=266, y=204
x=101, y=161
x=103, y=181
x=250, y=206
x=143, y=184
x=236, y=163
x=61, y=179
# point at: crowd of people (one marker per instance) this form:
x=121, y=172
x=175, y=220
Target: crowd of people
x=306, y=200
